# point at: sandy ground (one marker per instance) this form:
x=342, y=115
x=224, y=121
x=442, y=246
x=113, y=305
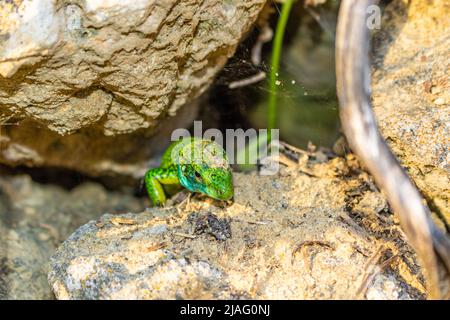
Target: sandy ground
x=319, y=229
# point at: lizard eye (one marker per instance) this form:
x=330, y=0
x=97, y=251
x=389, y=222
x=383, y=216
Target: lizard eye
x=198, y=177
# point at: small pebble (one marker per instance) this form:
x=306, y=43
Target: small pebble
x=439, y=101
x=435, y=90
x=276, y=184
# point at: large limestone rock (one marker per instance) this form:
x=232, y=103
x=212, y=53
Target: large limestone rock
x=91, y=69
x=411, y=93
x=34, y=219
x=317, y=231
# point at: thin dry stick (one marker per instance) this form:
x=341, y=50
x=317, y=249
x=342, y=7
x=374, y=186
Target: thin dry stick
x=265, y=36
x=252, y=221
x=248, y=81
x=360, y=128
x=370, y=276
x=184, y=235
x=311, y=243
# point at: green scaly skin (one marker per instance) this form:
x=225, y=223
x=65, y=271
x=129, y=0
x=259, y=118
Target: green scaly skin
x=195, y=164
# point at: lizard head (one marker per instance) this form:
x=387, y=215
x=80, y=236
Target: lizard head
x=216, y=183
x=207, y=170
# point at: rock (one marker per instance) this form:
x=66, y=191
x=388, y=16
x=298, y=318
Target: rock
x=26, y=262
x=327, y=234
x=34, y=219
x=89, y=150
x=411, y=93
x=385, y=288
x=94, y=69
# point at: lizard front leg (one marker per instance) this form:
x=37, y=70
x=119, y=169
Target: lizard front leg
x=155, y=179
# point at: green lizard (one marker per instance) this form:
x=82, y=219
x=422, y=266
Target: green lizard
x=195, y=164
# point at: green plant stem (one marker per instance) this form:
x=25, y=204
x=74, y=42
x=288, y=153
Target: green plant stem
x=274, y=66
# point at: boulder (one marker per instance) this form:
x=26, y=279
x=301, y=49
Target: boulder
x=34, y=219
x=411, y=93
x=75, y=74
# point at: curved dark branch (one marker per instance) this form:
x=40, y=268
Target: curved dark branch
x=360, y=128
